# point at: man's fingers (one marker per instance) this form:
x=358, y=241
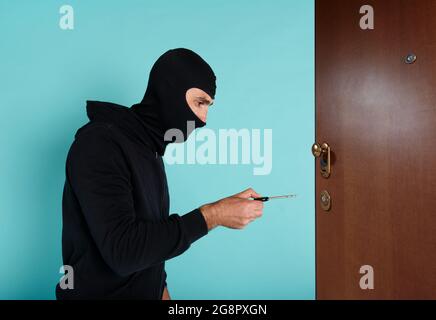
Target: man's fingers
x=256, y=213
x=249, y=193
x=254, y=208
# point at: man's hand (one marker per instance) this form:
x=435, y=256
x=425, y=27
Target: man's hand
x=234, y=212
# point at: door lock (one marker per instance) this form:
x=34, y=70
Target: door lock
x=323, y=153
x=326, y=200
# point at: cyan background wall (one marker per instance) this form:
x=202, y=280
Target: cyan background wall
x=263, y=55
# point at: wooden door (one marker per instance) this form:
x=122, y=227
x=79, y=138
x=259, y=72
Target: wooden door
x=378, y=114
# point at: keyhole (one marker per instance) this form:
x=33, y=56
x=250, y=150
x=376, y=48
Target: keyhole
x=410, y=58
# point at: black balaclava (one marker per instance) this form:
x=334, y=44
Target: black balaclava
x=164, y=105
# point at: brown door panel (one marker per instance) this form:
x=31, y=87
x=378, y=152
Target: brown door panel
x=378, y=114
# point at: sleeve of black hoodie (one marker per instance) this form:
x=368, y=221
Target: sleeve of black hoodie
x=100, y=179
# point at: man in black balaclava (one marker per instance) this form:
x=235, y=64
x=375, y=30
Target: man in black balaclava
x=117, y=230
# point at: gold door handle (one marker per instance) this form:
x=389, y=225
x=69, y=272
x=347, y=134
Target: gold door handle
x=323, y=153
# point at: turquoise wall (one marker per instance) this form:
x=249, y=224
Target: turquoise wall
x=263, y=56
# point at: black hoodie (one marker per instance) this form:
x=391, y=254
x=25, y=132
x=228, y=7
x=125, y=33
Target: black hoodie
x=117, y=230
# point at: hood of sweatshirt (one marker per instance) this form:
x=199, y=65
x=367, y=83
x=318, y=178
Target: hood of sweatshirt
x=123, y=118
